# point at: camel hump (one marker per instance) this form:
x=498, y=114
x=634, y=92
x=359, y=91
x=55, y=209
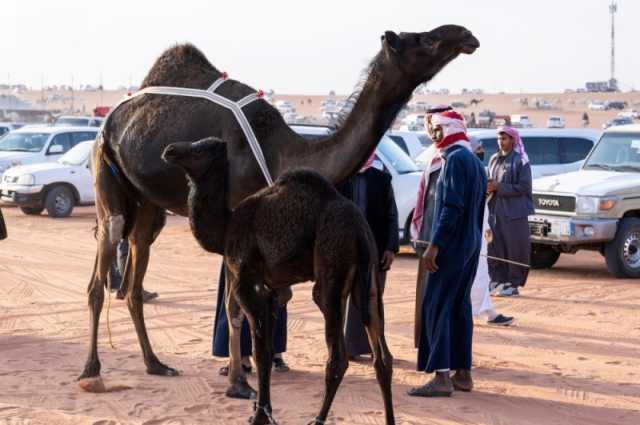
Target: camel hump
x=309, y=178
x=177, y=61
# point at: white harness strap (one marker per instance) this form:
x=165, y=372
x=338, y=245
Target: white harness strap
x=234, y=107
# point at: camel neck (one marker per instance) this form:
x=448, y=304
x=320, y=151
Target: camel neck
x=342, y=154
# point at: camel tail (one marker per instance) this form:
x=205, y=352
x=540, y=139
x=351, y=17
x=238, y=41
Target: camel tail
x=366, y=275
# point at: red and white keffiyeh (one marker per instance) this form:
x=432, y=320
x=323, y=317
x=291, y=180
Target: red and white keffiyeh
x=453, y=127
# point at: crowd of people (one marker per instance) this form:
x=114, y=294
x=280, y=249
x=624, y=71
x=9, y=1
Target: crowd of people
x=470, y=230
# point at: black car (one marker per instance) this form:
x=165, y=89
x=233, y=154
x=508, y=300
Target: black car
x=617, y=105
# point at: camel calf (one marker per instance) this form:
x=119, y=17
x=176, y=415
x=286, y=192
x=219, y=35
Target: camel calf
x=298, y=230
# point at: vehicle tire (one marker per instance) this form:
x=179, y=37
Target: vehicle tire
x=543, y=256
x=622, y=254
x=59, y=202
x=32, y=210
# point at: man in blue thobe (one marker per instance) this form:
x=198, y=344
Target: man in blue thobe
x=452, y=259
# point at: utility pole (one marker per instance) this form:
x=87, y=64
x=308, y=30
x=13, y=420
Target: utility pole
x=613, y=8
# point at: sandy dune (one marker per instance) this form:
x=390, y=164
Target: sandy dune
x=570, y=106
x=573, y=356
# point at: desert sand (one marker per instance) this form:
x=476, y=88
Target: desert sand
x=571, y=358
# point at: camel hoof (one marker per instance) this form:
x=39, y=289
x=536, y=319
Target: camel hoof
x=242, y=390
x=161, y=370
x=92, y=385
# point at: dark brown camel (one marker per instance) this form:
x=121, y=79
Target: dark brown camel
x=298, y=230
x=134, y=186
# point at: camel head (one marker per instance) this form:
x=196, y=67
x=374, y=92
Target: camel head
x=196, y=158
x=418, y=56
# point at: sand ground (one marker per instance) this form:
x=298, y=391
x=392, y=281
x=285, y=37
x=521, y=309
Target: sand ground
x=573, y=356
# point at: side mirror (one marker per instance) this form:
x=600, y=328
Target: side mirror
x=56, y=149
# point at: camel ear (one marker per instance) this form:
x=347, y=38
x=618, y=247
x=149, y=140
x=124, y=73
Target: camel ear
x=391, y=40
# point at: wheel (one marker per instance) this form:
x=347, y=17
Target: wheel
x=59, y=202
x=622, y=254
x=32, y=210
x=543, y=256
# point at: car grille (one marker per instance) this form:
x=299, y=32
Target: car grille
x=554, y=203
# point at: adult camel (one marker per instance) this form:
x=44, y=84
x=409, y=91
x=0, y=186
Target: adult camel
x=134, y=186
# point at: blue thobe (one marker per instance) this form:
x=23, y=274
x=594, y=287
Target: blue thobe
x=447, y=324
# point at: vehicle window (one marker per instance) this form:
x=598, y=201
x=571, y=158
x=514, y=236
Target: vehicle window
x=490, y=147
x=424, y=140
x=616, y=151
x=400, y=142
x=396, y=156
x=23, y=142
x=3, y=130
x=71, y=121
x=64, y=139
x=542, y=150
x=574, y=149
x=82, y=136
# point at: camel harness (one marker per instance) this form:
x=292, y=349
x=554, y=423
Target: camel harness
x=234, y=106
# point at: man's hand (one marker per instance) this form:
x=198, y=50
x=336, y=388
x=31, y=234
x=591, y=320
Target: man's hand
x=492, y=186
x=429, y=258
x=387, y=260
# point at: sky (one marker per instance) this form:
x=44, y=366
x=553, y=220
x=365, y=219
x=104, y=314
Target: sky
x=302, y=47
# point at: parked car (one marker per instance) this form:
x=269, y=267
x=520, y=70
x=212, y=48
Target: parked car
x=555, y=122
x=73, y=121
x=31, y=145
x=597, y=105
x=616, y=104
x=550, y=151
x=630, y=113
x=594, y=208
x=413, y=122
x=521, y=121
x=404, y=172
x=55, y=186
x=411, y=142
x=617, y=121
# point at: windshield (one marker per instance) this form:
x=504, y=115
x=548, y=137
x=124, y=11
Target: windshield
x=396, y=156
x=77, y=155
x=71, y=122
x=23, y=142
x=617, y=152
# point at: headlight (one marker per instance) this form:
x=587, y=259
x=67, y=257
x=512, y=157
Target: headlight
x=26, y=180
x=16, y=163
x=592, y=204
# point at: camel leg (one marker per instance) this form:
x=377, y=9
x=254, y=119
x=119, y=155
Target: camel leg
x=337, y=364
x=95, y=291
x=149, y=221
x=258, y=303
x=238, y=385
x=110, y=204
x=382, y=358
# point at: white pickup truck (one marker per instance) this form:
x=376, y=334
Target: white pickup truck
x=596, y=207
x=55, y=186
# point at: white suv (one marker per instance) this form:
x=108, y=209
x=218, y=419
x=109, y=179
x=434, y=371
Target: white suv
x=55, y=186
x=551, y=151
x=31, y=145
